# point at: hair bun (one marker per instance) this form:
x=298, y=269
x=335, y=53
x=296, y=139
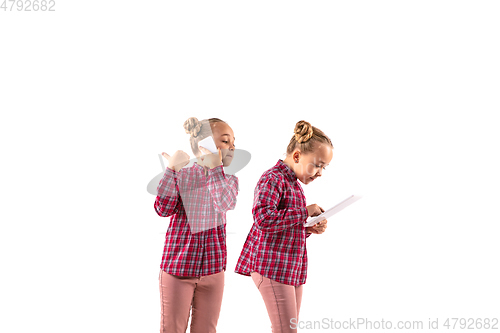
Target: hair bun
x=303, y=131
x=192, y=126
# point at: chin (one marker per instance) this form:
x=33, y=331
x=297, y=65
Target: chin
x=307, y=180
x=227, y=162
x=304, y=181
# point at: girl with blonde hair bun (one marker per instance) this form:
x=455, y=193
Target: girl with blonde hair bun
x=194, y=256
x=274, y=253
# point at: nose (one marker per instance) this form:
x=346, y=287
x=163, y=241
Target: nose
x=319, y=173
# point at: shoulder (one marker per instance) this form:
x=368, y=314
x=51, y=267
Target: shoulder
x=271, y=176
x=231, y=177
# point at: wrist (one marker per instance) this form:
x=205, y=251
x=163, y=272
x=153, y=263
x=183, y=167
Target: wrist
x=306, y=212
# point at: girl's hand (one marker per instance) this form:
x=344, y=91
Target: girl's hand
x=210, y=160
x=314, y=210
x=177, y=161
x=318, y=228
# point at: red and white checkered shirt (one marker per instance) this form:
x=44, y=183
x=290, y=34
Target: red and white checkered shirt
x=195, y=242
x=276, y=244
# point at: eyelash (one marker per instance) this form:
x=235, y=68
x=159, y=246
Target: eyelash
x=228, y=142
x=317, y=166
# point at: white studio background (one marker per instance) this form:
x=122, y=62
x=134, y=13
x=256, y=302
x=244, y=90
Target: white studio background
x=93, y=92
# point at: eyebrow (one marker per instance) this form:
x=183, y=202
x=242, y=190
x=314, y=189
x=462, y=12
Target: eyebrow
x=234, y=138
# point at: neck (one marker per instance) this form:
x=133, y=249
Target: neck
x=289, y=162
x=200, y=162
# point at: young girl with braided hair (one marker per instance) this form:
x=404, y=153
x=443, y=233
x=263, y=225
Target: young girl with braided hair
x=274, y=253
x=194, y=256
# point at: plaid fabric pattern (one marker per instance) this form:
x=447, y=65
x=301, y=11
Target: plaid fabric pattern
x=276, y=244
x=195, y=242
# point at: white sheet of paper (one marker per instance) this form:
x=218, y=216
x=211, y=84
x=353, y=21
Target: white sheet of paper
x=335, y=209
x=209, y=144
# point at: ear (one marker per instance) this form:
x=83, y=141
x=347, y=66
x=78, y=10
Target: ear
x=296, y=155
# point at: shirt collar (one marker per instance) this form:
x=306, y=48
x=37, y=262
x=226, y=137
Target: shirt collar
x=285, y=169
x=199, y=167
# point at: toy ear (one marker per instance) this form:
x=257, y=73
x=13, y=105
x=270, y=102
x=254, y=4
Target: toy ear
x=153, y=184
x=240, y=160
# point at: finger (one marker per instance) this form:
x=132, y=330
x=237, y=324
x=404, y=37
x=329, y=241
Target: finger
x=167, y=156
x=322, y=210
x=320, y=223
x=220, y=154
x=205, y=150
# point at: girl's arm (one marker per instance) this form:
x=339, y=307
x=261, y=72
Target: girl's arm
x=167, y=201
x=266, y=214
x=223, y=189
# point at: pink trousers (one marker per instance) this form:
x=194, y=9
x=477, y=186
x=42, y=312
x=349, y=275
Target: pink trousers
x=180, y=294
x=282, y=302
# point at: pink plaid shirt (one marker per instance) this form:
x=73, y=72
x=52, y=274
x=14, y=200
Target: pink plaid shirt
x=276, y=244
x=195, y=242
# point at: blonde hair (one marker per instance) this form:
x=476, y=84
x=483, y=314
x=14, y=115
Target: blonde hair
x=305, y=135
x=199, y=130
